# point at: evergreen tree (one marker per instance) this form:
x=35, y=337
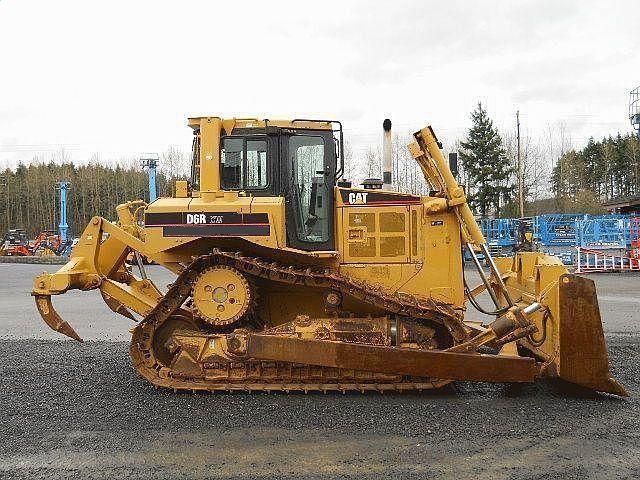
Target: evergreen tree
x=600, y=171
x=620, y=169
x=485, y=163
x=594, y=168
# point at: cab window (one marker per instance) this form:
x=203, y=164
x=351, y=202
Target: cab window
x=243, y=163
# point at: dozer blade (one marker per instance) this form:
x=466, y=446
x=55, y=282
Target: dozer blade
x=583, y=351
x=51, y=317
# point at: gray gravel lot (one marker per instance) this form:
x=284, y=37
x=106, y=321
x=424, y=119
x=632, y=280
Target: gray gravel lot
x=78, y=411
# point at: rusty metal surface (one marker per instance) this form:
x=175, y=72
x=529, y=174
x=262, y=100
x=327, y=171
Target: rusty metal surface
x=404, y=361
x=116, y=306
x=52, y=319
x=283, y=359
x=196, y=367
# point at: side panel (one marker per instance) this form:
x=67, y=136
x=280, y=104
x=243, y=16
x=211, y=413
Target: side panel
x=210, y=224
x=376, y=234
x=439, y=257
x=172, y=222
x=386, y=239
x=392, y=276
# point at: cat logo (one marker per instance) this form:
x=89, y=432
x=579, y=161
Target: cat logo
x=357, y=198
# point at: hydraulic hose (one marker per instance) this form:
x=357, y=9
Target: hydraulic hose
x=477, y=306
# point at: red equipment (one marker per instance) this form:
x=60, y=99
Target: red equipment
x=15, y=243
x=600, y=261
x=635, y=237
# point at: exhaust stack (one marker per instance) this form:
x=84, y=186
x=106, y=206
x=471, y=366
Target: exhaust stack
x=387, y=160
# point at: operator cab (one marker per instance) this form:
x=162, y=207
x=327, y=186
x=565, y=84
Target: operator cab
x=299, y=160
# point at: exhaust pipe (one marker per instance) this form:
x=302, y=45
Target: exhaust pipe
x=387, y=159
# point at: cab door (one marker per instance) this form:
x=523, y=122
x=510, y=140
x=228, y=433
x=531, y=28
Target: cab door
x=309, y=177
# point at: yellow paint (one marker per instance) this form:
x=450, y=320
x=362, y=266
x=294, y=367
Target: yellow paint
x=414, y=248
x=411, y=248
x=182, y=189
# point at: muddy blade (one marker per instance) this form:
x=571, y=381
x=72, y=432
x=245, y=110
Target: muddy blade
x=583, y=352
x=51, y=317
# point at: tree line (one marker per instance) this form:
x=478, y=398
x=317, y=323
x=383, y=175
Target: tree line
x=557, y=178
x=600, y=171
x=31, y=200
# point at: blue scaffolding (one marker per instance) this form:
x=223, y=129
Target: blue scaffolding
x=500, y=232
x=604, y=232
x=63, y=226
x=150, y=162
x=559, y=234
x=557, y=229
x=503, y=234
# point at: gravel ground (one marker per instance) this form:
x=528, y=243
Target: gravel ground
x=79, y=411
x=74, y=410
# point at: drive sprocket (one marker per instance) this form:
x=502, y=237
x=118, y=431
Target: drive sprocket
x=221, y=295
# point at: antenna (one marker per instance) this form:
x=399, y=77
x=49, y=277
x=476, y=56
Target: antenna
x=634, y=110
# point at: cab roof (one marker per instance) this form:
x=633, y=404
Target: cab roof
x=231, y=123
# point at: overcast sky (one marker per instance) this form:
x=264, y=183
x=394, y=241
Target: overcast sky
x=120, y=77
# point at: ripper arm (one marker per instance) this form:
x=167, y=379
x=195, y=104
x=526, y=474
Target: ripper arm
x=97, y=261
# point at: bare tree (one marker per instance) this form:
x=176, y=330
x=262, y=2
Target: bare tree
x=351, y=166
x=558, y=143
x=372, y=163
x=536, y=168
x=174, y=163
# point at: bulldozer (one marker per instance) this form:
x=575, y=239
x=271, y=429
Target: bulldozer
x=288, y=278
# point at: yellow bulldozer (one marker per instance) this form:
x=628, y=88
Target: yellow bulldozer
x=289, y=278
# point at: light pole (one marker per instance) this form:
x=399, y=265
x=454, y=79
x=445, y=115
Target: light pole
x=520, y=179
x=150, y=162
x=634, y=110
x=63, y=227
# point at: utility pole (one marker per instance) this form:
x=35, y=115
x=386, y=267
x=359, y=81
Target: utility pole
x=4, y=181
x=520, y=179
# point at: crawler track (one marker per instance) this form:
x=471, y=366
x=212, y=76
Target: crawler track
x=266, y=375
